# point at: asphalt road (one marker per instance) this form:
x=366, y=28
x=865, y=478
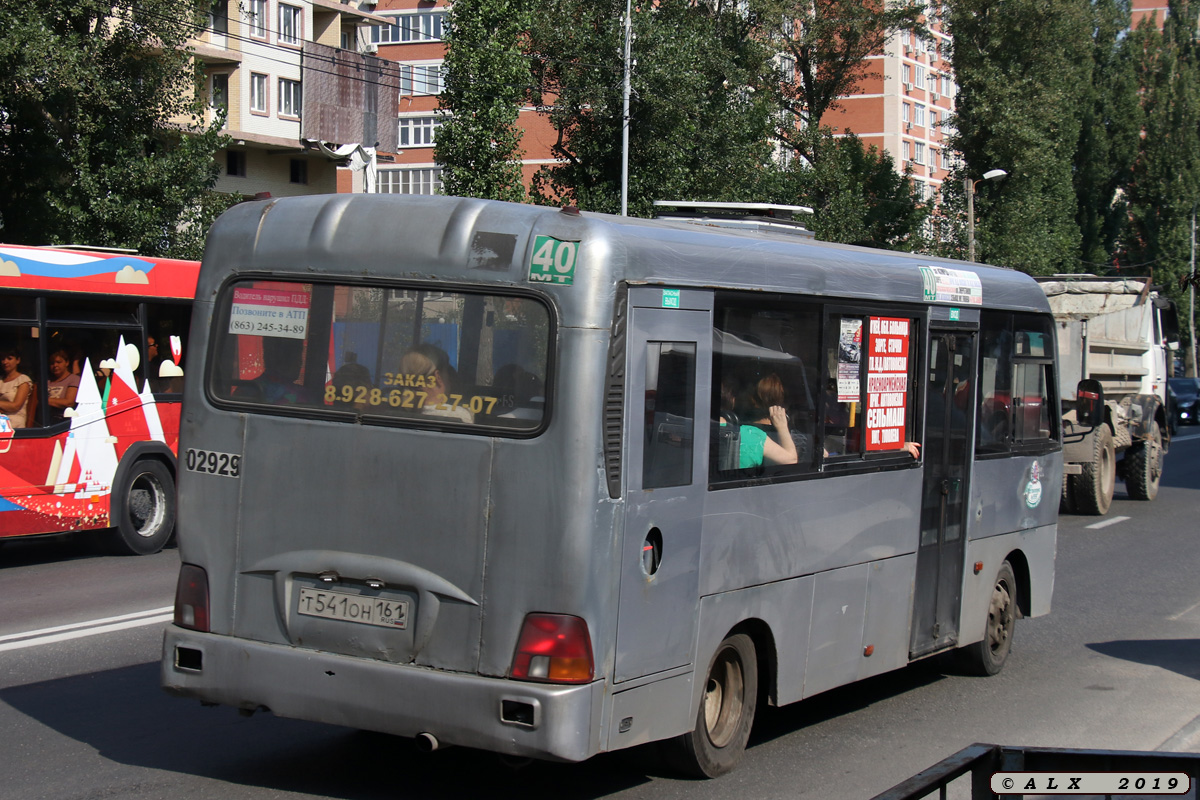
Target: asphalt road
x=1115, y=665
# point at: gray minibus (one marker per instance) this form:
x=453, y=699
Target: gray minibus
x=552, y=483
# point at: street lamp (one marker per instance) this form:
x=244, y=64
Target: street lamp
x=990, y=175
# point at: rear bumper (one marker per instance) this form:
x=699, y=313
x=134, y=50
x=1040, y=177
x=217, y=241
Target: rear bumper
x=517, y=718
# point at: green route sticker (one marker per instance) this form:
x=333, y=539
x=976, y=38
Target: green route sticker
x=553, y=261
x=670, y=298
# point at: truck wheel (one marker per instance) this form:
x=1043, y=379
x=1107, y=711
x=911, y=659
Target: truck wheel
x=726, y=713
x=1143, y=467
x=988, y=656
x=145, y=509
x=1066, y=503
x=1094, y=486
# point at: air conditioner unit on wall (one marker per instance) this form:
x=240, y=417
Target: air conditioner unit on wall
x=370, y=49
x=908, y=87
x=936, y=97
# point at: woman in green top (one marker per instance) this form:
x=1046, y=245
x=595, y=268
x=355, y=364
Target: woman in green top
x=755, y=446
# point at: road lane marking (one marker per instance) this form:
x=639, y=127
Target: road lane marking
x=1104, y=523
x=78, y=630
x=1182, y=614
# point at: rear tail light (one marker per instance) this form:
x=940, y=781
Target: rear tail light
x=553, y=648
x=191, y=598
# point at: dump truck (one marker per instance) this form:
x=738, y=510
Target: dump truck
x=1114, y=335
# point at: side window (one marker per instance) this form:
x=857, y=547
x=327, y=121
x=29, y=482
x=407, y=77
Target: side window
x=869, y=398
x=995, y=384
x=1034, y=396
x=1017, y=399
x=670, y=414
x=765, y=382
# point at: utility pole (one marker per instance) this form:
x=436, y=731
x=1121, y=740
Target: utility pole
x=625, y=112
x=1192, y=303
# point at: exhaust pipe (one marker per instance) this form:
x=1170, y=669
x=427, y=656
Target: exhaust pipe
x=427, y=742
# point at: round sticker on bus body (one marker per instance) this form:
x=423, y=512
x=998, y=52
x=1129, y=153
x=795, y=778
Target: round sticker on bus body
x=1033, y=488
x=553, y=261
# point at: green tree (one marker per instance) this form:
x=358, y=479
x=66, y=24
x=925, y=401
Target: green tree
x=487, y=82
x=700, y=118
x=1108, y=139
x=1022, y=68
x=857, y=196
x=825, y=48
x=1164, y=190
x=102, y=138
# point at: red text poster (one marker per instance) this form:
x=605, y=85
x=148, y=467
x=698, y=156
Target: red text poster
x=887, y=382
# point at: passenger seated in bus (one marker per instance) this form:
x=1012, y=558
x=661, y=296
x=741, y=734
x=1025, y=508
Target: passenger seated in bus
x=755, y=447
x=62, y=386
x=432, y=363
x=278, y=383
x=16, y=388
x=352, y=386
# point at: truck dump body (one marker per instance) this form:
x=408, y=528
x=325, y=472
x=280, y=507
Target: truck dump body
x=1116, y=332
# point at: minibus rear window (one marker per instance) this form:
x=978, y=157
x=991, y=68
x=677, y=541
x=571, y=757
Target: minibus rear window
x=383, y=355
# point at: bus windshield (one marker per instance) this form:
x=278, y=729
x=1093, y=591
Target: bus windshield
x=385, y=355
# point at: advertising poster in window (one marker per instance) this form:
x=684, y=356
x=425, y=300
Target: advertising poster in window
x=849, y=359
x=887, y=382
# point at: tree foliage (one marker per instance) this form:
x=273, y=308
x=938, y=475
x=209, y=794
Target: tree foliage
x=1021, y=66
x=1164, y=190
x=102, y=139
x=488, y=77
x=830, y=43
x=700, y=121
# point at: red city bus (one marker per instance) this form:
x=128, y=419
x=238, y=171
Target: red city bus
x=92, y=341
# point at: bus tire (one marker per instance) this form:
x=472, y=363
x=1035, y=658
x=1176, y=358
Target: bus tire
x=1094, y=486
x=146, y=512
x=726, y=713
x=987, y=657
x=1143, y=466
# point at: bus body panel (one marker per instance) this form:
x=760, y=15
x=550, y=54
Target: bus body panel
x=567, y=721
x=805, y=527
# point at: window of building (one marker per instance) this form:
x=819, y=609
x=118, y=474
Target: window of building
x=258, y=93
x=291, y=20
x=919, y=152
x=905, y=112
x=920, y=81
x=218, y=98
x=235, y=163
x=289, y=98
x=787, y=69
x=919, y=117
x=905, y=73
x=256, y=16
x=418, y=131
x=298, y=170
x=420, y=79
x=410, y=181
x=426, y=27
x=218, y=17
x=906, y=150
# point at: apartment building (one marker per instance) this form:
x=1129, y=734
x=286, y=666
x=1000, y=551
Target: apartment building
x=412, y=37
x=308, y=111
x=903, y=106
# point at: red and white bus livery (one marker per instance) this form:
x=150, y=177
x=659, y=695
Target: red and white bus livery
x=96, y=339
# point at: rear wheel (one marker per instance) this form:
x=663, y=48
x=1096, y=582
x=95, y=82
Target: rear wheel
x=1143, y=466
x=144, y=506
x=1094, y=486
x=726, y=712
x=987, y=657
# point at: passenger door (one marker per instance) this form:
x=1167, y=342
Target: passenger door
x=668, y=388
x=949, y=420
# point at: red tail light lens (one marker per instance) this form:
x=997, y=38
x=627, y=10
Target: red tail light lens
x=554, y=648
x=191, y=598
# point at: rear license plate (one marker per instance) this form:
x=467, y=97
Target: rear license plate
x=353, y=608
